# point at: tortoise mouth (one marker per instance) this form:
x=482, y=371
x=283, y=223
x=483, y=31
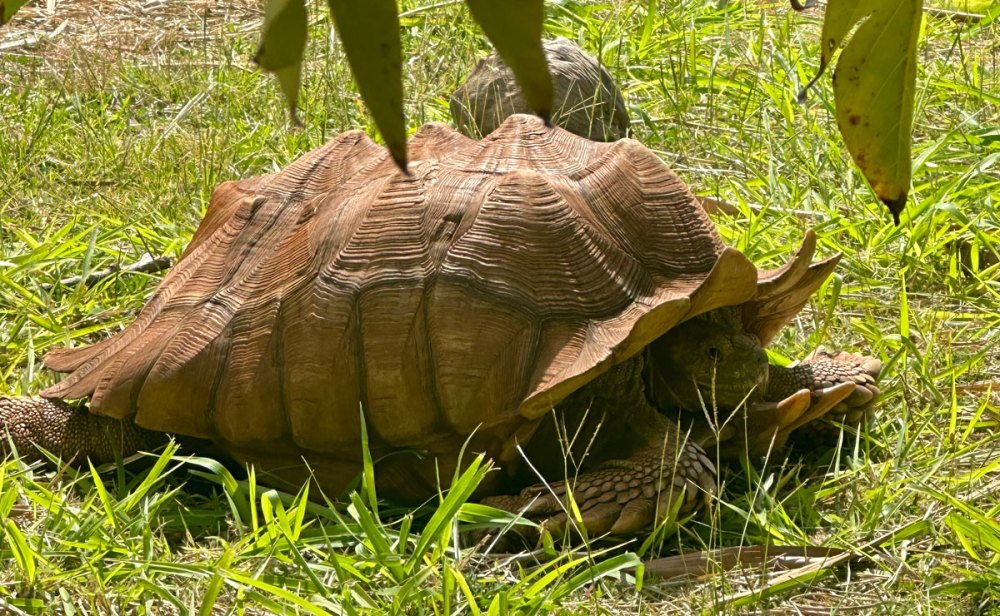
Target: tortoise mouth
x=730, y=385
x=730, y=394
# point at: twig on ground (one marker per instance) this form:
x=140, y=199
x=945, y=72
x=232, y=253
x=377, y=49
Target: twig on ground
x=147, y=264
x=959, y=16
x=721, y=206
x=754, y=557
x=973, y=388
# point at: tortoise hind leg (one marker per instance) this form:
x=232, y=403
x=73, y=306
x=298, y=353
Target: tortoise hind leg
x=70, y=432
x=626, y=466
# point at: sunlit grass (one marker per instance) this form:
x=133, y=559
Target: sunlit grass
x=107, y=154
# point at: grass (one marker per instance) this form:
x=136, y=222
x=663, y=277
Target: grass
x=115, y=130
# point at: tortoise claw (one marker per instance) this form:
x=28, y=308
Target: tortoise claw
x=823, y=401
x=828, y=375
x=847, y=368
x=767, y=425
x=764, y=415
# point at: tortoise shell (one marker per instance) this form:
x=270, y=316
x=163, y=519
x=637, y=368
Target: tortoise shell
x=586, y=99
x=467, y=297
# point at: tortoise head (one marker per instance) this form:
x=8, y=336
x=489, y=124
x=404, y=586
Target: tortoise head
x=705, y=361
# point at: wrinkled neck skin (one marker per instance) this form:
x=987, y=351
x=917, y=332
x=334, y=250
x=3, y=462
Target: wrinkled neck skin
x=708, y=362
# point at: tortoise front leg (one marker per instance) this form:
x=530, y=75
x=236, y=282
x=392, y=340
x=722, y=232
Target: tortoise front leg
x=70, y=432
x=823, y=370
x=625, y=465
x=626, y=496
x=823, y=386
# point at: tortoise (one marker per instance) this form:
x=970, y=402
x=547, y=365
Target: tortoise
x=586, y=100
x=505, y=292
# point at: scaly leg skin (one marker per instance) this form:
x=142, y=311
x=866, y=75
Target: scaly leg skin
x=70, y=432
x=620, y=497
x=632, y=464
x=823, y=372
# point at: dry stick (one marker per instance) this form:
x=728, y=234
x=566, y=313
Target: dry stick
x=815, y=567
x=798, y=563
x=147, y=264
x=959, y=16
x=721, y=206
x=708, y=562
x=975, y=388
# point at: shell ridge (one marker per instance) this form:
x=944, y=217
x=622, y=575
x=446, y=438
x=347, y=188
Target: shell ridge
x=236, y=290
x=244, y=384
x=211, y=313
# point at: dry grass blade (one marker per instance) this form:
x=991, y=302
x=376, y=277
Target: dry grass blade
x=818, y=564
x=146, y=31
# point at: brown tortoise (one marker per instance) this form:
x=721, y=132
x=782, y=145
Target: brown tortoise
x=503, y=278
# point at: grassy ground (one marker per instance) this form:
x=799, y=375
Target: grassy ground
x=116, y=121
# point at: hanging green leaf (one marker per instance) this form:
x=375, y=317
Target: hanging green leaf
x=515, y=29
x=369, y=32
x=873, y=88
x=282, y=43
x=8, y=8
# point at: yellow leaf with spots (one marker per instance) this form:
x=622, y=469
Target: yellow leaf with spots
x=873, y=88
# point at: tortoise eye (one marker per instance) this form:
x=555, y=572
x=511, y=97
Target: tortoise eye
x=714, y=353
